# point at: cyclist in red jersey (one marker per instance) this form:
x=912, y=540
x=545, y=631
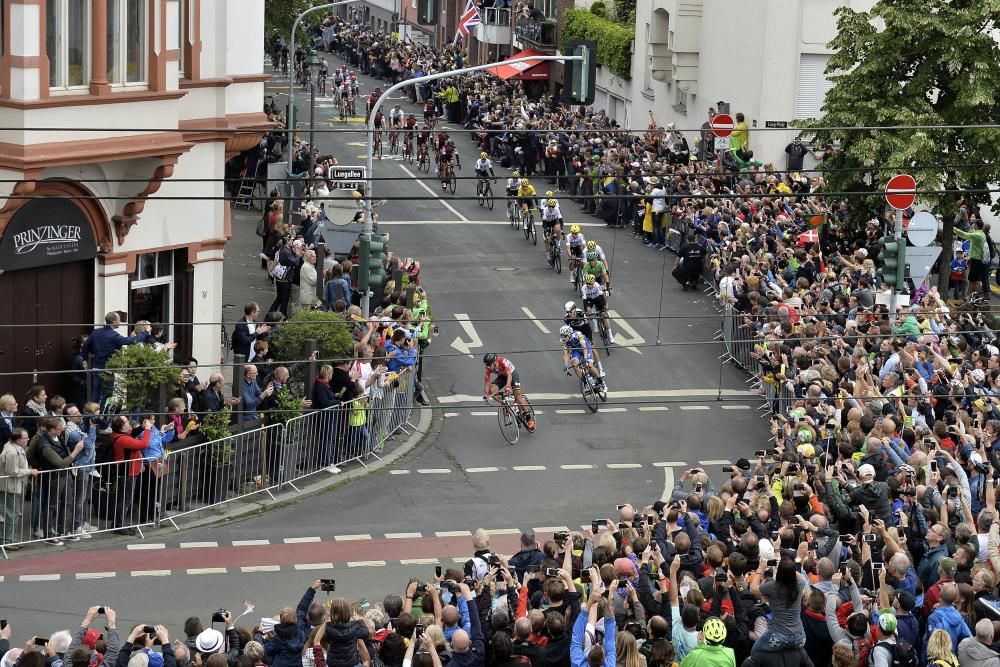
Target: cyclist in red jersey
x=506, y=380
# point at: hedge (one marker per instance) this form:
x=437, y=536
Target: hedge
x=614, y=41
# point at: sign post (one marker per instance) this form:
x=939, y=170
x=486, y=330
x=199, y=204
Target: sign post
x=900, y=193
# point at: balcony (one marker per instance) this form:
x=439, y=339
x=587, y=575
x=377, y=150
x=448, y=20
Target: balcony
x=538, y=33
x=495, y=26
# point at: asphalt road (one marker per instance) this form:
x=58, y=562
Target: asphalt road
x=671, y=405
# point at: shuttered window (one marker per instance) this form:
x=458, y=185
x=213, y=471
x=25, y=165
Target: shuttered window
x=813, y=85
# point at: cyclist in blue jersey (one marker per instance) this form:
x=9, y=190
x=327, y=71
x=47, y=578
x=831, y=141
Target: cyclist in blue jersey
x=578, y=351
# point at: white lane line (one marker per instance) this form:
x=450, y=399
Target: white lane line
x=483, y=413
x=300, y=540
x=573, y=411
x=452, y=533
x=419, y=561
x=451, y=414
x=607, y=410
x=434, y=471
x=351, y=538
x=653, y=408
x=199, y=545
x=94, y=575
x=669, y=464
x=577, y=466
x=314, y=566
x=695, y=407
x=483, y=469
x=716, y=462
x=531, y=316
x=260, y=568
x=668, y=483
x=150, y=573
x=251, y=543
x=142, y=546
x=735, y=407
x=365, y=563
x=550, y=529
x=461, y=560
x=402, y=536
x=527, y=468
x=630, y=393
x=503, y=531
x=623, y=466
x=38, y=577
x=399, y=472
x=206, y=570
x=436, y=195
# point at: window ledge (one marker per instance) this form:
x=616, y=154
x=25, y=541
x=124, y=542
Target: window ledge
x=649, y=94
x=679, y=109
x=122, y=97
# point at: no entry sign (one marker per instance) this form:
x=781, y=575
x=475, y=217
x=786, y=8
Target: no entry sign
x=722, y=125
x=900, y=191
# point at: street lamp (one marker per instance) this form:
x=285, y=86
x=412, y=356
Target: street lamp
x=313, y=63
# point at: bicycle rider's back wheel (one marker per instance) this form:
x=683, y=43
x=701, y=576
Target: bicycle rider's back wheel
x=557, y=257
x=509, y=427
x=532, y=230
x=515, y=215
x=452, y=183
x=531, y=411
x=526, y=225
x=489, y=197
x=605, y=336
x=480, y=196
x=588, y=391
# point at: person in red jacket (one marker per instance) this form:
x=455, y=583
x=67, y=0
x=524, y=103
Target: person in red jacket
x=127, y=448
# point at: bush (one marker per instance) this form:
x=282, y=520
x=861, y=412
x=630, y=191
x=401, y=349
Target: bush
x=215, y=429
x=331, y=332
x=599, y=9
x=614, y=41
x=137, y=389
x=286, y=406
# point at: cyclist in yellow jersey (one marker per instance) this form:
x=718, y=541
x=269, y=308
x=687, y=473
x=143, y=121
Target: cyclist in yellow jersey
x=526, y=195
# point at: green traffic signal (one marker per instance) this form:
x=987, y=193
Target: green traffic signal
x=893, y=262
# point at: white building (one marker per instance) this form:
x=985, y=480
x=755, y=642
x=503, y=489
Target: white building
x=766, y=58
x=111, y=103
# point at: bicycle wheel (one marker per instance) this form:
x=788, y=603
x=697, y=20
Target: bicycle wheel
x=479, y=194
x=525, y=223
x=588, y=391
x=530, y=413
x=425, y=163
x=557, y=257
x=489, y=197
x=605, y=335
x=531, y=228
x=452, y=182
x=510, y=429
x=515, y=215
x=602, y=393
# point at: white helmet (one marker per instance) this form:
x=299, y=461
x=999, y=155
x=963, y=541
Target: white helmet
x=569, y=306
x=565, y=330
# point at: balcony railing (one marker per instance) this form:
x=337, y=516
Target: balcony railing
x=540, y=33
x=496, y=16
x=495, y=27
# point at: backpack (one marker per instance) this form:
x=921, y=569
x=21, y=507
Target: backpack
x=262, y=226
x=903, y=655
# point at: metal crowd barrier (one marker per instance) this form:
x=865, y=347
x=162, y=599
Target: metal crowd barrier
x=127, y=496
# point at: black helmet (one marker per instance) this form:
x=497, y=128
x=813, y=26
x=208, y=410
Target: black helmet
x=489, y=358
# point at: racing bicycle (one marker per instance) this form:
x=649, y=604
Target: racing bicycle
x=484, y=193
x=513, y=212
x=590, y=388
x=555, y=249
x=512, y=416
x=529, y=226
x=423, y=158
x=597, y=320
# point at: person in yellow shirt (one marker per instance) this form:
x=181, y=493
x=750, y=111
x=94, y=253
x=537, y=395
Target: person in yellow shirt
x=526, y=195
x=741, y=134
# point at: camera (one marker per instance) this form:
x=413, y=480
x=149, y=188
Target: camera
x=560, y=537
x=584, y=576
x=328, y=585
x=721, y=575
x=552, y=572
x=868, y=537
x=793, y=520
x=494, y=561
x=100, y=611
x=149, y=629
x=421, y=589
x=219, y=616
x=622, y=583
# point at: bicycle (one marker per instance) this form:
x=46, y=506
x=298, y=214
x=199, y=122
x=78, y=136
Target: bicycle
x=555, y=249
x=512, y=416
x=576, y=267
x=393, y=142
x=377, y=150
x=448, y=176
x=343, y=110
x=484, y=193
x=597, y=323
x=529, y=227
x=513, y=213
x=423, y=159
x=590, y=388
x=408, y=148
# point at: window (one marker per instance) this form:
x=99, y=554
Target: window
x=680, y=100
x=67, y=42
x=151, y=289
x=813, y=85
x=126, y=42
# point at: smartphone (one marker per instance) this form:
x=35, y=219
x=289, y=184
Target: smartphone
x=100, y=611
x=775, y=536
x=622, y=583
x=3, y=623
x=878, y=566
x=596, y=524
x=561, y=536
x=933, y=466
x=721, y=575
x=41, y=641
x=420, y=629
x=437, y=570
x=328, y=585
x=149, y=629
x=695, y=471
x=620, y=506
x=729, y=469
x=760, y=453
x=552, y=572
x=794, y=520
x=868, y=537
x=773, y=562
x=698, y=487
x=584, y=576
x=622, y=526
x=846, y=539
x=534, y=568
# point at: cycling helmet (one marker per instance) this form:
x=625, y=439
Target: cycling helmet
x=714, y=630
x=591, y=256
x=450, y=142
x=569, y=306
x=887, y=621
x=549, y=193
x=590, y=279
x=551, y=202
x=591, y=245
x=565, y=330
x=575, y=229
x=483, y=155
x=524, y=181
x=516, y=174
x=489, y=358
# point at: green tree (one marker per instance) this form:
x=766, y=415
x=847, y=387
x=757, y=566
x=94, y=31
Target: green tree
x=137, y=389
x=330, y=330
x=279, y=15
x=914, y=62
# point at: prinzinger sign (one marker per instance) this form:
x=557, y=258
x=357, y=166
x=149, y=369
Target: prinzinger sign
x=57, y=239
x=45, y=232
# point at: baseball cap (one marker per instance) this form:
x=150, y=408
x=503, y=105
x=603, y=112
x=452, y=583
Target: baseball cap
x=866, y=470
x=906, y=600
x=948, y=566
x=209, y=641
x=90, y=638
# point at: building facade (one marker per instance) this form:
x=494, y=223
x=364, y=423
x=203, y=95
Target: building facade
x=117, y=118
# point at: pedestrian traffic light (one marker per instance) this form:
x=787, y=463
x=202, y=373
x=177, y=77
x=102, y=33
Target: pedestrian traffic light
x=580, y=75
x=893, y=261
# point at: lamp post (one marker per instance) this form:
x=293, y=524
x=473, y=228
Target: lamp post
x=313, y=63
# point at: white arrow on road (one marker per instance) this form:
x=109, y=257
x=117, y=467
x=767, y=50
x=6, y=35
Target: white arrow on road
x=470, y=331
x=626, y=336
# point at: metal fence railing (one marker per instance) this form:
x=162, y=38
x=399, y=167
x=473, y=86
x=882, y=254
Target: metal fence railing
x=128, y=496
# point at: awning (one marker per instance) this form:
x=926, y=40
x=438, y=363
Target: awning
x=529, y=69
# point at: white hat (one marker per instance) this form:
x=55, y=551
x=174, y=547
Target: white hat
x=209, y=641
x=866, y=470
x=975, y=458
x=978, y=374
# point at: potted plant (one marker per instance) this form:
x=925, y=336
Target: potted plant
x=137, y=390
x=218, y=455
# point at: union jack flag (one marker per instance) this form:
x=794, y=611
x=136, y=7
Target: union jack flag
x=468, y=20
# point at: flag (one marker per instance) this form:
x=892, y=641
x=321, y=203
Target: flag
x=816, y=220
x=806, y=238
x=468, y=20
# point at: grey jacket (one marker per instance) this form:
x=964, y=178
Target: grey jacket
x=111, y=639
x=973, y=653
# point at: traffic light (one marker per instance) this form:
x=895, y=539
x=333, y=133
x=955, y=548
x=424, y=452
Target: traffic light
x=893, y=261
x=374, y=249
x=580, y=75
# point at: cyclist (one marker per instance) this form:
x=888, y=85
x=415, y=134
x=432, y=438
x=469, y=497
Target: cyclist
x=575, y=318
x=338, y=77
x=551, y=227
x=429, y=113
x=594, y=272
x=370, y=103
x=526, y=195
x=423, y=138
x=445, y=158
x=575, y=243
x=484, y=167
x=396, y=118
x=354, y=86
x=594, y=300
x=513, y=183
x=592, y=246
x=411, y=123
x=324, y=72
x=378, y=122
x=501, y=376
x=577, y=350
x=344, y=90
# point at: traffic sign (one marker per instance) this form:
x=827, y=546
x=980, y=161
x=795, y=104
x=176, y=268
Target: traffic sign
x=919, y=262
x=347, y=178
x=900, y=191
x=922, y=229
x=722, y=144
x=722, y=125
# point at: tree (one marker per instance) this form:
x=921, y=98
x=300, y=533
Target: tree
x=330, y=331
x=914, y=62
x=279, y=15
x=138, y=389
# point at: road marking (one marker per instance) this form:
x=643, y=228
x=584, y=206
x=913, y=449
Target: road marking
x=150, y=573
x=668, y=483
x=430, y=190
x=314, y=566
x=503, y=531
x=577, y=466
x=419, y=561
x=474, y=341
x=550, y=529
x=695, y=407
x=351, y=538
x=38, y=577
x=735, y=407
x=206, y=570
x=365, y=563
x=199, y=545
x=402, y=536
x=716, y=462
x=638, y=393
x=399, y=472
x=451, y=414
x=94, y=575
x=574, y=411
x=607, y=410
x=260, y=568
x=300, y=540
x=483, y=413
x=433, y=471
x=653, y=408
x=141, y=546
x=623, y=466
x=527, y=468
x=627, y=336
x=250, y=543
x=452, y=533
x=485, y=469
x=669, y=464
x=531, y=316
x=461, y=559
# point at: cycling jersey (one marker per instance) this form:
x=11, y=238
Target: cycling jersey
x=551, y=214
x=503, y=368
x=345, y=90
x=512, y=185
x=579, y=321
x=396, y=115
x=378, y=121
x=600, y=254
x=484, y=165
x=411, y=123
x=526, y=191
x=590, y=292
x=597, y=270
x=577, y=343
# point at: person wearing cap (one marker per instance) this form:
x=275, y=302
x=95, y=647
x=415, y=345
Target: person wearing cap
x=947, y=567
x=890, y=650
x=872, y=494
x=85, y=636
